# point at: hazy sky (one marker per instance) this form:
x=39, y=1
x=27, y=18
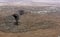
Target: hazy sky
x=29, y=0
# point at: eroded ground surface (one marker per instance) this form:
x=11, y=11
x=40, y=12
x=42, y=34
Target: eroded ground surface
x=33, y=26
x=30, y=25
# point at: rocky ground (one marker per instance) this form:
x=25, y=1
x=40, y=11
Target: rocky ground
x=30, y=26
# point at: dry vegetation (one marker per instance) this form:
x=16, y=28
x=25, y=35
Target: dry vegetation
x=36, y=25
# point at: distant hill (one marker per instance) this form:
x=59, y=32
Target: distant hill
x=28, y=4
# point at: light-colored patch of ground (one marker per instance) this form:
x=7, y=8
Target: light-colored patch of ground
x=38, y=33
